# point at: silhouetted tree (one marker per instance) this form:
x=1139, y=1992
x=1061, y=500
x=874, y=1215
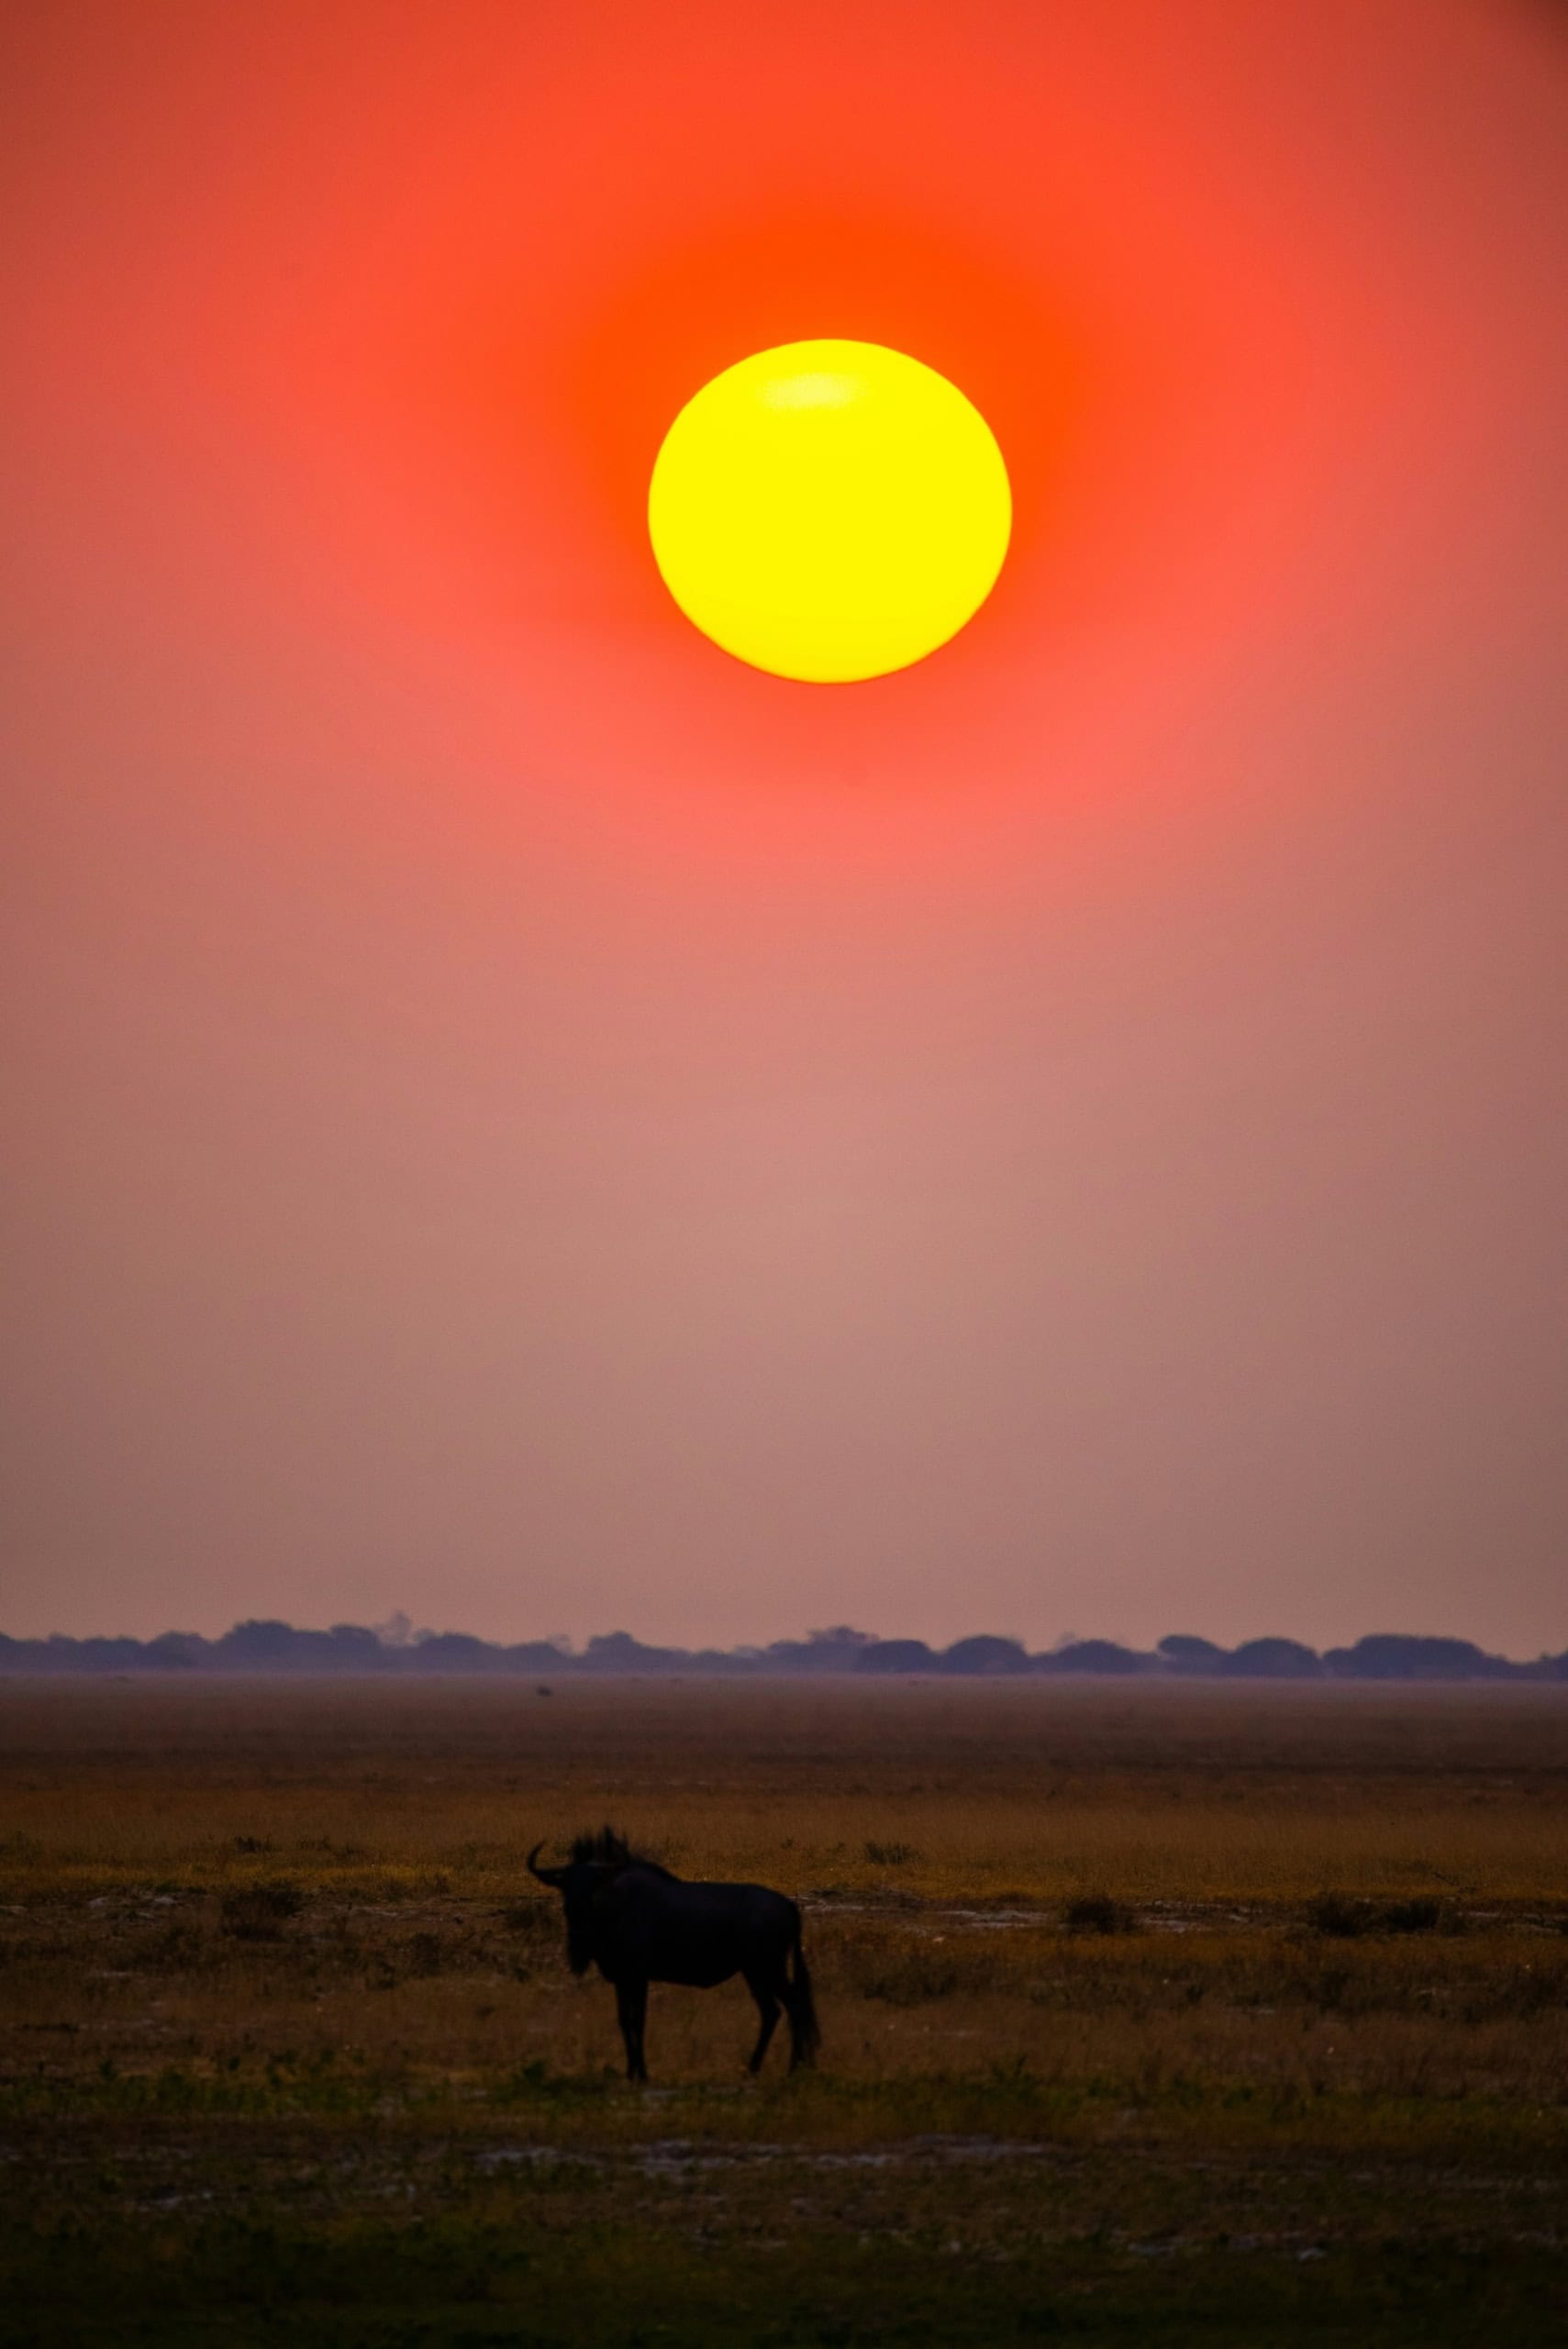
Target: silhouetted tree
x=175, y=1651
x=895, y=1655
x=1183, y=1653
x=984, y=1652
x=1398, y=1655
x=829, y=1650
x=456, y=1652
x=618, y=1652
x=1273, y=1660
x=261, y=1645
x=1092, y=1655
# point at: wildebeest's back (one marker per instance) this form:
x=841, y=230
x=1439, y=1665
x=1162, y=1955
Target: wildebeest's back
x=699, y=1935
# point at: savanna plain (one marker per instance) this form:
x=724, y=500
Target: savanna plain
x=1195, y=2013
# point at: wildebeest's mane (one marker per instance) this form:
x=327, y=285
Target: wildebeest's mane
x=610, y=1849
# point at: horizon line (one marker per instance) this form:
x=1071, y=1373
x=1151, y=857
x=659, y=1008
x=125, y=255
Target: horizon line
x=268, y=1644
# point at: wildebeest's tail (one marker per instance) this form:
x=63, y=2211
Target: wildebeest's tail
x=804, y=2031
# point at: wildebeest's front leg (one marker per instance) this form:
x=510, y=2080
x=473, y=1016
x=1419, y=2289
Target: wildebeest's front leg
x=631, y=2008
x=767, y=1995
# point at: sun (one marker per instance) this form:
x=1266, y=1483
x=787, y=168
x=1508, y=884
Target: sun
x=829, y=511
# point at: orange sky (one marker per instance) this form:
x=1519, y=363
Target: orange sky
x=524, y=1119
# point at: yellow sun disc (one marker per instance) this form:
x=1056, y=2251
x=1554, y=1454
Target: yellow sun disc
x=829, y=510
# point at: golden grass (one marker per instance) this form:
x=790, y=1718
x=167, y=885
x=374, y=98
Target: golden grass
x=1126, y=1995
x=1036, y=1791
x=939, y=1837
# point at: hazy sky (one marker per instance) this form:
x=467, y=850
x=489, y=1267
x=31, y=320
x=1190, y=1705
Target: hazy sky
x=514, y=1117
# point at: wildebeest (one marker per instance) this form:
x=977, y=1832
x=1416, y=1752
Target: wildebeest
x=639, y=1924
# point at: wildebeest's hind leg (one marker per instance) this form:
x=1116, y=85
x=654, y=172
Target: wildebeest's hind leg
x=770, y=1992
x=631, y=2009
x=805, y=2038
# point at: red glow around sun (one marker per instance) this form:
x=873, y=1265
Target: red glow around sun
x=397, y=376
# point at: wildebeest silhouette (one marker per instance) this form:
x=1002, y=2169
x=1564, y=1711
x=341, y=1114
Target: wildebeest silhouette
x=639, y=1924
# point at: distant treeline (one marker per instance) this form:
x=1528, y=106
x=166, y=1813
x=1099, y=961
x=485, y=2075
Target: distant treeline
x=394, y=1647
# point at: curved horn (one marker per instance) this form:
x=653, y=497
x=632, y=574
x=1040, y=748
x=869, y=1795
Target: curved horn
x=546, y=1875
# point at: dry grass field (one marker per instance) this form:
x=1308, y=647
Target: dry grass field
x=1237, y=2012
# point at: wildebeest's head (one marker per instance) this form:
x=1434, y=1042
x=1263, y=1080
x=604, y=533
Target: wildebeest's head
x=596, y=1862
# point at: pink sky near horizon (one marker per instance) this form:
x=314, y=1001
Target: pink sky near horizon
x=516, y=1118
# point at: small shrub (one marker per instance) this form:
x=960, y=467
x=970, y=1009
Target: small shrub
x=254, y=1912
x=1419, y=1916
x=425, y=1954
x=1097, y=1913
x=1342, y=1920
x=891, y=1855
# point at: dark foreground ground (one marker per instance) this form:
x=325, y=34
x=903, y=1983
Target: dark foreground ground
x=1193, y=2015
